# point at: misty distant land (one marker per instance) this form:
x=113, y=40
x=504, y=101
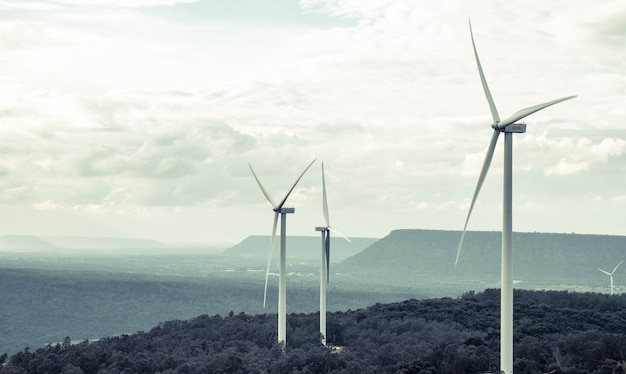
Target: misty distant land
x=93, y=287
x=60, y=242
x=545, y=258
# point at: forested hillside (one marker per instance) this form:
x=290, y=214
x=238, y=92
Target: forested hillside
x=555, y=332
x=540, y=260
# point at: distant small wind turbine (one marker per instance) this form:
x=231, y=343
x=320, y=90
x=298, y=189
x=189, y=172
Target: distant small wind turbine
x=611, y=274
x=282, y=288
x=325, y=264
x=508, y=127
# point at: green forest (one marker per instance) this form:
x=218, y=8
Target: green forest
x=555, y=332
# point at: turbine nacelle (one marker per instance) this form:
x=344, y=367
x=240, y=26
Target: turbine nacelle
x=284, y=210
x=518, y=128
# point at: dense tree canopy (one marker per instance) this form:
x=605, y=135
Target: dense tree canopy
x=555, y=331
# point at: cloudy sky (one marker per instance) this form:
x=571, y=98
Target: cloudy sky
x=139, y=117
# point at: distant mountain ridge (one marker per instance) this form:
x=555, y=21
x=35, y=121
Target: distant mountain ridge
x=300, y=247
x=537, y=257
x=24, y=242
x=35, y=243
x=86, y=242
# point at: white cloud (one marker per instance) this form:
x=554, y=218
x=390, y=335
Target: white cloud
x=113, y=109
x=580, y=155
x=26, y=5
x=123, y=3
x=46, y=205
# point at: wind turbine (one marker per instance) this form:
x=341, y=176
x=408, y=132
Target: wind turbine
x=325, y=263
x=508, y=126
x=611, y=274
x=282, y=284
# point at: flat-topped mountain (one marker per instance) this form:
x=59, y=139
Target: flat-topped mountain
x=538, y=258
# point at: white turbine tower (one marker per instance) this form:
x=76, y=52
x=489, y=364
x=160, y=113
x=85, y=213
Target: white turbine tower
x=325, y=263
x=282, y=288
x=611, y=274
x=508, y=127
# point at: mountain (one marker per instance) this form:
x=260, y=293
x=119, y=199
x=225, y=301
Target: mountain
x=35, y=243
x=24, y=243
x=84, y=242
x=538, y=258
x=308, y=247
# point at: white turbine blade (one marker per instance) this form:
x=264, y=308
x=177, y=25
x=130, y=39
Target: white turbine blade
x=617, y=266
x=324, y=200
x=605, y=272
x=492, y=105
x=269, y=257
x=530, y=110
x=280, y=205
x=267, y=195
x=481, y=179
x=338, y=233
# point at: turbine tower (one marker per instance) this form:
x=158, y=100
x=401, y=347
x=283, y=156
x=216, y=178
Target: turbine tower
x=282, y=288
x=611, y=274
x=507, y=126
x=325, y=263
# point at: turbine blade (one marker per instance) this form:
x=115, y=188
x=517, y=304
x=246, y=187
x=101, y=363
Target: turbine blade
x=324, y=200
x=280, y=205
x=340, y=234
x=530, y=110
x=492, y=105
x=617, y=266
x=269, y=257
x=327, y=248
x=267, y=195
x=605, y=272
x=481, y=179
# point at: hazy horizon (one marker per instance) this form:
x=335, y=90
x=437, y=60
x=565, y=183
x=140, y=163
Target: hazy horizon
x=75, y=240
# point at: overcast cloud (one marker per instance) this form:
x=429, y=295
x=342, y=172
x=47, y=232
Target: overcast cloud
x=139, y=118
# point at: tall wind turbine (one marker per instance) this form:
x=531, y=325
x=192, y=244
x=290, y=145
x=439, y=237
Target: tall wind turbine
x=507, y=126
x=282, y=284
x=325, y=263
x=611, y=274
